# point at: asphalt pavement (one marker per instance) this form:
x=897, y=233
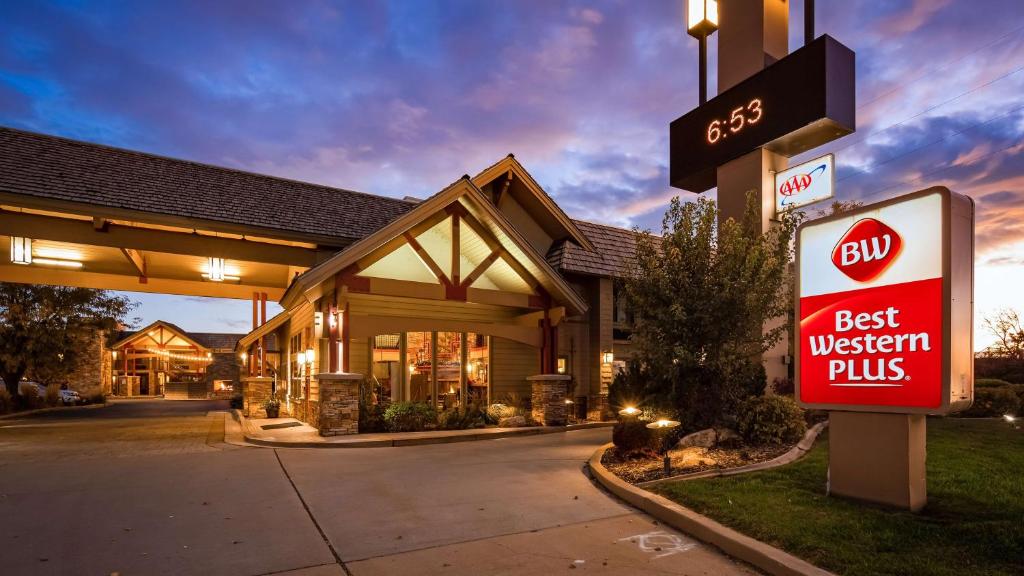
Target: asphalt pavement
x=151, y=487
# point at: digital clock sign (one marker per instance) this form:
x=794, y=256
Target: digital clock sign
x=800, y=102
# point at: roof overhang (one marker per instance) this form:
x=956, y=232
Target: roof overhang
x=307, y=287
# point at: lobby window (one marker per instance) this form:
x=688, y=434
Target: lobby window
x=387, y=369
x=449, y=369
x=478, y=363
x=419, y=362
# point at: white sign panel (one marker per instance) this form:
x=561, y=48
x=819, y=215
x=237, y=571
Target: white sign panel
x=805, y=183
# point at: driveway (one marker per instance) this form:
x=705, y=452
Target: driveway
x=150, y=487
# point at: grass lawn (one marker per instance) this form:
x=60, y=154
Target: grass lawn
x=973, y=524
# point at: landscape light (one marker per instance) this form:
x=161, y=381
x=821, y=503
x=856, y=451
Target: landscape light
x=1008, y=418
x=21, y=250
x=629, y=411
x=662, y=423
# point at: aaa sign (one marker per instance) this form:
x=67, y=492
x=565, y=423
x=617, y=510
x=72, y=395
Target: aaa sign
x=885, y=306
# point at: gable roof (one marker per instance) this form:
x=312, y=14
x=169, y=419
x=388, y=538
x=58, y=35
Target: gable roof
x=535, y=263
x=127, y=337
x=613, y=248
x=146, y=186
x=509, y=165
x=216, y=340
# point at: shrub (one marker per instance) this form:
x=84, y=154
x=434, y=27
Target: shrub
x=990, y=383
x=993, y=402
x=461, y=418
x=96, y=398
x=498, y=411
x=771, y=420
x=30, y=398
x=52, y=395
x=409, y=416
x=371, y=418
x=783, y=386
x=6, y=402
x=633, y=439
x=237, y=401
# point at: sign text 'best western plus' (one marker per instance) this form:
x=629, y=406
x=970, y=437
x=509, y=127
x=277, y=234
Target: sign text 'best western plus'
x=885, y=305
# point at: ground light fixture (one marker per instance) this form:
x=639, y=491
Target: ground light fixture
x=607, y=357
x=701, y=22
x=664, y=425
x=21, y=250
x=629, y=411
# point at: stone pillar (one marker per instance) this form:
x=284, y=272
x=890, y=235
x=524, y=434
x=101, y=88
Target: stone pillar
x=548, y=398
x=255, y=391
x=339, y=403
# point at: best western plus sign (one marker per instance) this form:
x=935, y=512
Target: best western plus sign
x=878, y=301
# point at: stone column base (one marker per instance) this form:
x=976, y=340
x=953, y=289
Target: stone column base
x=255, y=391
x=548, y=398
x=339, y=403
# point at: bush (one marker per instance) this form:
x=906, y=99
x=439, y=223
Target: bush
x=783, y=386
x=994, y=402
x=6, y=402
x=52, y=396
x=633, y=439
x=371, y=418
x=409, y=416
x=497, y=412
x=237, y=402
x=461, y=418
x=771, y=420
x=990, y=383
x=30, y=398
x=96, y=398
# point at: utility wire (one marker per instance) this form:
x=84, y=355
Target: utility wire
x=870, y=167
x=904, y=84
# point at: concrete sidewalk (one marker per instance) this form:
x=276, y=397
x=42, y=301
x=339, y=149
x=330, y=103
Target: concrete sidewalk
x=291, y=433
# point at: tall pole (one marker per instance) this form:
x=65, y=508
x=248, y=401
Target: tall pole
x=808, y=21
x=703, y=74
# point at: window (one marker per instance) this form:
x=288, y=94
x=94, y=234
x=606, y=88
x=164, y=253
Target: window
x=386, y=367
x=419, y=360
x=478, y=363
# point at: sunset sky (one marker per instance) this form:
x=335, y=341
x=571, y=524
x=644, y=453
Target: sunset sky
x=401, y=98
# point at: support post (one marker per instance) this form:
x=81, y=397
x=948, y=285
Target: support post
x=547, y=398
x=878, y=458
x=702, y=49
x=752, y=35
x=808, y=21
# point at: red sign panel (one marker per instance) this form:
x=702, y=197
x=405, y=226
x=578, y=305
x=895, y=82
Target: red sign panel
x=884, y=307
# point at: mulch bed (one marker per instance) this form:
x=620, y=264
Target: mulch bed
x=689, y=460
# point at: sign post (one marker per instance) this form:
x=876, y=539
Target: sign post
x=884, y=303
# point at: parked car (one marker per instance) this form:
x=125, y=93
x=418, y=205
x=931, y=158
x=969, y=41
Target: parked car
x=26, y=385
x=70, y=397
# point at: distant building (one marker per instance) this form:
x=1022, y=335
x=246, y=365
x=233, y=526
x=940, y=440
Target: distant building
x=164, y=360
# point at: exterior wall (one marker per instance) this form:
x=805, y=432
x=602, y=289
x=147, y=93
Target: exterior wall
x=87, y=377
x=511, y=363
x=359, y=356
x=225, y=366
x=601, y=305
x=525, y=224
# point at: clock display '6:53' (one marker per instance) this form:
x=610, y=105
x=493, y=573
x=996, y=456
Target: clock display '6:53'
x=740, y=118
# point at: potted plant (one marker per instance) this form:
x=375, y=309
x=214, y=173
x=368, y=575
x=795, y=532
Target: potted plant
x=273, y=407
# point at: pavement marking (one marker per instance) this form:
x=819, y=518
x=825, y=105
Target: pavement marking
x=330, y=546
x=664, y=543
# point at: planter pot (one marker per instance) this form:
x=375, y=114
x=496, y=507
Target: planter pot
x=273, y=412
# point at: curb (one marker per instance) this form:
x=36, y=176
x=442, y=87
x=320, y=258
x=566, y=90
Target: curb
x=14, y=415
x=794, y=454
x=767, y=558
x=389, y=443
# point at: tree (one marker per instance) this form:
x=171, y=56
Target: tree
x=702, y=296
x=1006, y=326
x=46, y=329
x=838, y=207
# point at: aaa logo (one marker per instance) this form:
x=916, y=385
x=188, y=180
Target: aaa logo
x=797, y=183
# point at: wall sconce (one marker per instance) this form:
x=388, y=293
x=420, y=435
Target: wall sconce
x=309, y=356
x=244, y=357
x=607, y=357
x=216, y=268
x=21, y=250
x=113, y=354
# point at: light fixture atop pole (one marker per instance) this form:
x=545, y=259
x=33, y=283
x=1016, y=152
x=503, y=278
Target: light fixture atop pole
x=701, y=22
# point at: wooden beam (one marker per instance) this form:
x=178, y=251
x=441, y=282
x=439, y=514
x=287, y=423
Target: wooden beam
x=83, y=279
x=456, y=249
x=149, y=240
x=482, y=267
x=137, y=260
x=422, y=253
